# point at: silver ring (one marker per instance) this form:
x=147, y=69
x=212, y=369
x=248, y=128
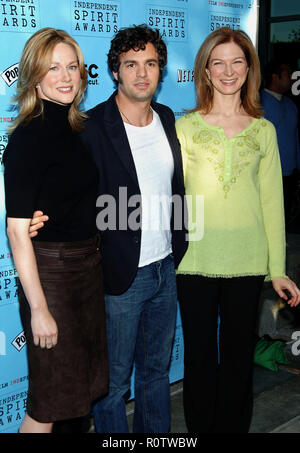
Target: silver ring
x=48, y=342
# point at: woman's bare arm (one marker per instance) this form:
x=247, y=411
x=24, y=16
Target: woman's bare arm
x=44, y=328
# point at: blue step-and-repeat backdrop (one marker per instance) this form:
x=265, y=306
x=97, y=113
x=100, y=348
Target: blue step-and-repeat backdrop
x=183, y=24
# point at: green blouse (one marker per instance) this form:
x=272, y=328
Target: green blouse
x=240, y=216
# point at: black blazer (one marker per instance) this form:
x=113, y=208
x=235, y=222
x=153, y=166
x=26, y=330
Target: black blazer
x=105, y=137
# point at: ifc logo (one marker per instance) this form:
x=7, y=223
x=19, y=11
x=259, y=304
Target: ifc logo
x=92, y=73
x=92, y=70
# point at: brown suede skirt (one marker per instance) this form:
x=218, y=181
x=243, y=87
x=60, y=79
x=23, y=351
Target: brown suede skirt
x=65, y=380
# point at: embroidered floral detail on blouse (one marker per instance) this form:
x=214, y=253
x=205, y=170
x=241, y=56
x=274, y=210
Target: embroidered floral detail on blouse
x=228, y=161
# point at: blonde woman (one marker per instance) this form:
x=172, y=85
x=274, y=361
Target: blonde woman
x=61, y=294
x=230, y=156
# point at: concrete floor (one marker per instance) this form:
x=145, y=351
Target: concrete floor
x=276, y=402
x=276, y=405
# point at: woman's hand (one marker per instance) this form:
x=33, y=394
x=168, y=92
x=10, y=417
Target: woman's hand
x=280, y=284
x=43, y=325
x=44, y=328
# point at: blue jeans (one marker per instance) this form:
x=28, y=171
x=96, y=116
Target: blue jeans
x=140, y=331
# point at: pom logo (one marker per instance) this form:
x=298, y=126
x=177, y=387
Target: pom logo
x=2, y=343
x=10, y=75
x=19, y=342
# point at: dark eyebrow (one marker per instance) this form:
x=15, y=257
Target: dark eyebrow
x=135, y=61
x=129, y=61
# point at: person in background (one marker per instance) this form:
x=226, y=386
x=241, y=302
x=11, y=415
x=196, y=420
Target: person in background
x=133, y=142
x=283, y=113
x=61, y=288
x=230, y=156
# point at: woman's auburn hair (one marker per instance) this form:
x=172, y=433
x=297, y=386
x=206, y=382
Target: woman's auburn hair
x=203, y=86
x=34, y=65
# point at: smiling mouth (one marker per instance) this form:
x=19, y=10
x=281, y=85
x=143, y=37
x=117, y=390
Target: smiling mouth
x=65, y=89
x=228, y=82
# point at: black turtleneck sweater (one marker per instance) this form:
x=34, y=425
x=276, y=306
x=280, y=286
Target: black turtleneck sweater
x=47, y=168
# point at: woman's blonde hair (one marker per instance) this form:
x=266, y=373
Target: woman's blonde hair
x=204, y=88
x=34, y=65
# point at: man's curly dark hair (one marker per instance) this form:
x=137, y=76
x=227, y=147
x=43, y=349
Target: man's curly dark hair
x=136, y=38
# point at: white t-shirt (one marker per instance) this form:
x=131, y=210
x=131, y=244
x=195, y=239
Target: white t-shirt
x=154, y=166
